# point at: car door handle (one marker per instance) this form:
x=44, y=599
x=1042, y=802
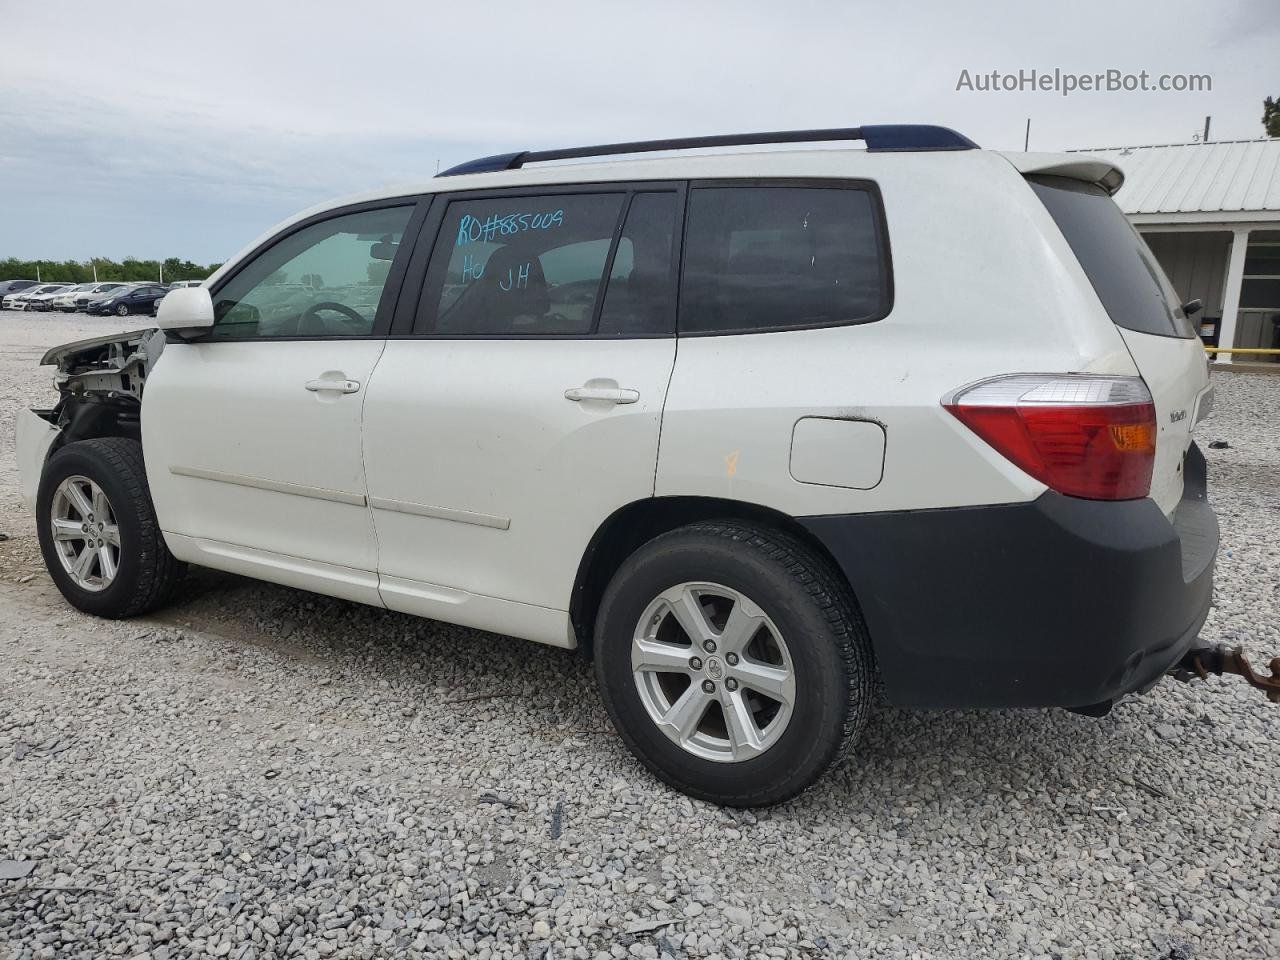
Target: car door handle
x=607, y=394
x=334, y=386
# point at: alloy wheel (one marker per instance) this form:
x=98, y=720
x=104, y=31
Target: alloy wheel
x=85, y=533
x=713, y=672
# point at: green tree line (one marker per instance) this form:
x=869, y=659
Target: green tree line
x=81, y=271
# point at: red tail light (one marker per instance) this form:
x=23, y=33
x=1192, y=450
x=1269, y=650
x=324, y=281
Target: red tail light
x=1082, y=435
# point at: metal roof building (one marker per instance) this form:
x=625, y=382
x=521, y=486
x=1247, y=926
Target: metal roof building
x=1211, y=214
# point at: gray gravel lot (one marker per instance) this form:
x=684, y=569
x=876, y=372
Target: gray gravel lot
x=260, y=772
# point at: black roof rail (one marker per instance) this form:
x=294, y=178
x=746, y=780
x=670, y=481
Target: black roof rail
x=878, y=138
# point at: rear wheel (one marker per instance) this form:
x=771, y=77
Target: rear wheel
x=733, y=662
x=98, y=531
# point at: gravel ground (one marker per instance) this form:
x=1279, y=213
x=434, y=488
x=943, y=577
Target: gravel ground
x=260, y=772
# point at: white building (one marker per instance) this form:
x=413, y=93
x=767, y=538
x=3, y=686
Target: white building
x=1211, y=214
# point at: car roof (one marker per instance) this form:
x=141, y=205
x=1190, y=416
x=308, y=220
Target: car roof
x=887, y=145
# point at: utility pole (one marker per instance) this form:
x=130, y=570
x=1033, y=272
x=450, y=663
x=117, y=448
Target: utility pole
x=95, y=271
x=162, y=272
x=1026, y=140
x=37, y=273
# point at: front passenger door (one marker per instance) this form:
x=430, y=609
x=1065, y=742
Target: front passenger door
x=252, y=433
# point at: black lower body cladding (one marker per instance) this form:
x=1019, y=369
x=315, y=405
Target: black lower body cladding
x=1059, y=602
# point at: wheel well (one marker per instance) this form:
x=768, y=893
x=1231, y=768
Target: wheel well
x=90, y=418
x=634, y=525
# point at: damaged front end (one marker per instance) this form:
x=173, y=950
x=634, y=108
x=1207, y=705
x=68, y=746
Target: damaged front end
x=100, y=384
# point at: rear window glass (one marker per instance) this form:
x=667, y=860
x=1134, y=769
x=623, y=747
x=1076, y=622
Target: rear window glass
x=1124, y=272
x=776, y=257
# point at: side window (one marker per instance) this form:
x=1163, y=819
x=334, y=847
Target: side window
x=323, y=281
x=638, y=300
x=519, y=265
x=777, y=257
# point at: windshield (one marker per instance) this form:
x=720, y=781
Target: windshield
x=1123, y=270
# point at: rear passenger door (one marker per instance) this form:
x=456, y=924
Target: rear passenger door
x=519, y=399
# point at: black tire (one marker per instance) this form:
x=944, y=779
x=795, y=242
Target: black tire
x=148, y=572
x=122, y=311
x=812, y=607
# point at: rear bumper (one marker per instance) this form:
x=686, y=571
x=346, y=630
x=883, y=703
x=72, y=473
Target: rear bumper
x=1059, y=602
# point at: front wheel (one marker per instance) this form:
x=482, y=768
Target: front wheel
x=98, y=532
x=122, y=311
x=733, y=662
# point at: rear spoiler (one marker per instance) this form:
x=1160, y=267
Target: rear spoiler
x=1075, y=166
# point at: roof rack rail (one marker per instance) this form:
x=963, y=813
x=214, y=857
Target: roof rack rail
x=878, y=138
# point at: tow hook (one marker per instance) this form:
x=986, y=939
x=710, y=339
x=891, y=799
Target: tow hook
x=1218, y=660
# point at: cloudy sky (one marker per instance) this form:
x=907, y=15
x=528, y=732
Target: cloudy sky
x=140, y=128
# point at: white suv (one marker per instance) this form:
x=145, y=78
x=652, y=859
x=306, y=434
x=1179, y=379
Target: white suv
x=759, y=432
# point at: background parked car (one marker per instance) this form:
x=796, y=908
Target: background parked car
x=8, y=287
x=41, y=302
x=98, y=291
x=18, y=301
x=64, y=300
x=139, y=299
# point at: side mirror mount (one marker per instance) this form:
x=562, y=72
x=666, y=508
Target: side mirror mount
x=187, y=308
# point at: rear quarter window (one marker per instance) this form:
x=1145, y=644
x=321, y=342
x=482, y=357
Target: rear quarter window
x=1123, y=270
x=780, y=257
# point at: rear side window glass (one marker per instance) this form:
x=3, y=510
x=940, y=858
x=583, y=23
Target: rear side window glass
x=637, y=301
x=519, y=265
x=777, y=257
x=1123, y=270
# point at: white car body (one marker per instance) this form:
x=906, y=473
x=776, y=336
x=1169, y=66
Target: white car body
x=528, y=580
x=476, y=479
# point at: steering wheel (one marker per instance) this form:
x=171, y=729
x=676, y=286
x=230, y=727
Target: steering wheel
x=350, y=317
